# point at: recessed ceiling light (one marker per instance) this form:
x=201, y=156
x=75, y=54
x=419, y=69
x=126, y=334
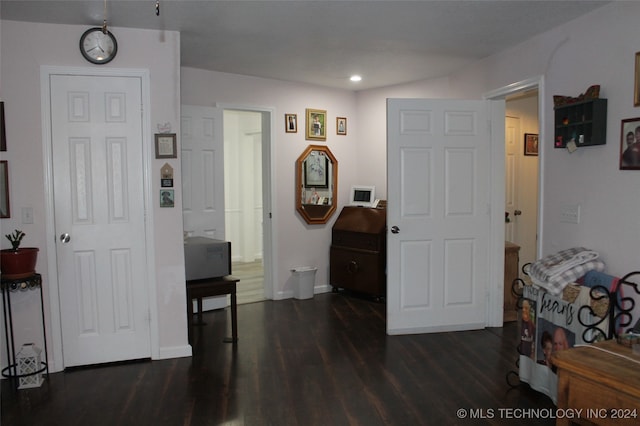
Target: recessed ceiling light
x=355, y=78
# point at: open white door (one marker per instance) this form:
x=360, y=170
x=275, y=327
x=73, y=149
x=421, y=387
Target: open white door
x=439, y=203
x=203, y=178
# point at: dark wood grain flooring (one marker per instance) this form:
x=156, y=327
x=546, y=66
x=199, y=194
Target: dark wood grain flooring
x=322, y=361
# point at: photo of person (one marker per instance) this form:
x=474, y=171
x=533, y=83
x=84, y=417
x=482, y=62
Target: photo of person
x=553, y=338
x=630, y=144
x=546, y=344
x=316, y=124
x=291, y=123
x=528, y=329
x=166, y=198
x=341, y=126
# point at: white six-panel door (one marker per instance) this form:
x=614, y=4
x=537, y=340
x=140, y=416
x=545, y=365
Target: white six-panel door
x=96, y=128
x=203, y=178
x=438, y=171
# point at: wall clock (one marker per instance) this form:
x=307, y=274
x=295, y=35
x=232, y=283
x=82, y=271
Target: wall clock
x=98, y=47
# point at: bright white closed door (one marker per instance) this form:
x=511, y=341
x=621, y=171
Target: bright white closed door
x=96, y=127
x=438, y=216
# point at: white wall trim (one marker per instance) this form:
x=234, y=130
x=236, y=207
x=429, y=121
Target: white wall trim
x=495, y=311
x=175, y=352
x=56, y=357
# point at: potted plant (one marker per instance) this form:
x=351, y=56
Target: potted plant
x=18, y=262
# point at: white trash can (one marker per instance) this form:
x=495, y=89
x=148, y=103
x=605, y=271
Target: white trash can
x=304, y=280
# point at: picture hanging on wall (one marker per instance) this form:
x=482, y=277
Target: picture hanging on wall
x=3, y=132
x=630, y=144
x=636, y=91
x=341, y=125
x=291, y=123
x=530, y=144
x=316, y=125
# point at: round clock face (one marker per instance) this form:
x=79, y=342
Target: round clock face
x=98, y=47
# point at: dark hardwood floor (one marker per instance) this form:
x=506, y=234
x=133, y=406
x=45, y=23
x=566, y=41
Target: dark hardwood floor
x=321, y=361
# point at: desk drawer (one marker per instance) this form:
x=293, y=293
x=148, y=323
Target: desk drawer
x=358, y=240
x=593, y=398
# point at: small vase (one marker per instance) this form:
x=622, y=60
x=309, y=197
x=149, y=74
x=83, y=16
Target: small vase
x=16, y=264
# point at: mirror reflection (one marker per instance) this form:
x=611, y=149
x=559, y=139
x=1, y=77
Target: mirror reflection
x=316, y=184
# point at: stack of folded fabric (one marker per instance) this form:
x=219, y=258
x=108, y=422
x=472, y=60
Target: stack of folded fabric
x=555, y=272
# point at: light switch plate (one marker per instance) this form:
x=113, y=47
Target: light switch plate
x=570, y=213
x=27, y=215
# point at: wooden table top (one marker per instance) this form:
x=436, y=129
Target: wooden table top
x=604, y=362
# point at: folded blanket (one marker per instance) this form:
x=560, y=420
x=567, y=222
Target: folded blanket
x=555, y=272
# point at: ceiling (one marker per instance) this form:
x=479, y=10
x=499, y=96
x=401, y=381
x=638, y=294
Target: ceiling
x=322, y=42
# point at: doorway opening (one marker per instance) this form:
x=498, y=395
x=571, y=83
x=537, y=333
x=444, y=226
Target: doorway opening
x=524, y=125
x=244, y=145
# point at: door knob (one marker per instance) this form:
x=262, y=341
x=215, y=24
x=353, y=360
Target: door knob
x=65, y=238
x=517, y=212
x=395, y=229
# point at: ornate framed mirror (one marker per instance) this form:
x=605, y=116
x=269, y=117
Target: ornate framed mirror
x=316, y=184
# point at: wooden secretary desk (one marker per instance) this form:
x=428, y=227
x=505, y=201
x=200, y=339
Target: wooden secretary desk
x=358, y=256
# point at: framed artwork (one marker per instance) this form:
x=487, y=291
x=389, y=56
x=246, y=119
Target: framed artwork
x=291, y=123
x=341, y=125
x=636, y=91
x=3, y=133
x=166, y=145
x=530, y=144
x=167, y=198
x=316, y=124
x=5, y=212
x=316, y=167
x=630, y=144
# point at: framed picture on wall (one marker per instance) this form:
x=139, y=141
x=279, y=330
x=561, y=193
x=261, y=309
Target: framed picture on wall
x=3, y=132
x=341, y=125
x=291, y=123
x=630, y=144
x=636, y=87
x=530, y=144
x=166, y=145
x=5, y=212
x=316, y=125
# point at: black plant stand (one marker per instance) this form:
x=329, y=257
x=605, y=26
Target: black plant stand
x=13, y=285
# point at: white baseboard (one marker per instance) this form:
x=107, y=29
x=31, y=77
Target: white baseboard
x=175, y=352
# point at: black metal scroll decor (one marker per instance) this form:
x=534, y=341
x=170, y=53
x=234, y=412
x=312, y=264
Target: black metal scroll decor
x=621, y=301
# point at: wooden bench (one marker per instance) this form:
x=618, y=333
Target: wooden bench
x=208, y=287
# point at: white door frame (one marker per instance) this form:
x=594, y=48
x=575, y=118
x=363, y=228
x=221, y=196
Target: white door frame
x=494, y=311
x=56, y=362
x=269, y=214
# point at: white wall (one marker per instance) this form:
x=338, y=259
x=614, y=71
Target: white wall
x=24, y=48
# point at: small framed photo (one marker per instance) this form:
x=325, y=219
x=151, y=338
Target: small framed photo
x=291, y=123
x=3, y=132
x=5, y=212
x=166, y=145
x=636, y=91
x=530, y=144
x=316, y=124
x=630, y=144
x=167, y=198
x=341, y=125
